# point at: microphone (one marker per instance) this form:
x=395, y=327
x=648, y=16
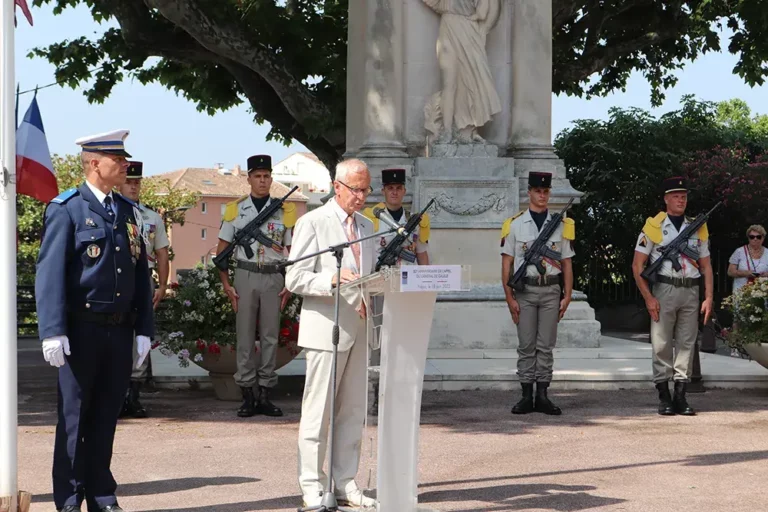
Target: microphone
x=400, y=230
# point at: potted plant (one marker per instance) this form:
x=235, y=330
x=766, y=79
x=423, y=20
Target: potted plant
x=196, y=323
x=749, y=305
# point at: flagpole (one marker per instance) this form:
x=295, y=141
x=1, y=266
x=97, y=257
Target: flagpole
x=8, y=341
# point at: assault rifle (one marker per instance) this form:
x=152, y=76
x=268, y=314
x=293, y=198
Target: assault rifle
x=252, y=232
x=678, y=247
x=394, y=249
x=538, y=251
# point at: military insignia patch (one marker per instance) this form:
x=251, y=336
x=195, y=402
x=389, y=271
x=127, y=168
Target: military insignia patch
x=89, y=222
x=383, y=242
x=643, y=241
x=525, y=246
x=271, y=226
x=93, y=251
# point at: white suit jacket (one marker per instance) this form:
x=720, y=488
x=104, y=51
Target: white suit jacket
x=311, y=278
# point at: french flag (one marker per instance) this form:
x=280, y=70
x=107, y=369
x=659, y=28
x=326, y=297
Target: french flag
x=35, y=176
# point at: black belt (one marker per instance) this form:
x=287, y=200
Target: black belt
x=261, y=268
x=542, y=280
x=104, y=318
x=679, y=282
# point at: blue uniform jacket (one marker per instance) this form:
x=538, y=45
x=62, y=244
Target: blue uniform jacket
x=88, y=262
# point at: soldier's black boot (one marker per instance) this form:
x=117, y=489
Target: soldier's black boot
x=525, y=405
x=665, y=399
x=543, y=403
x=248, y=407
x=132, y=405
x=679, y=402
x=264, y=406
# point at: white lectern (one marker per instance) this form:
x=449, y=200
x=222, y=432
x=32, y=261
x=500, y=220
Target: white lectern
x=409, y=294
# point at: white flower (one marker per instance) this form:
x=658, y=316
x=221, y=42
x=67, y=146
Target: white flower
x=204, y=285
x=198, y=358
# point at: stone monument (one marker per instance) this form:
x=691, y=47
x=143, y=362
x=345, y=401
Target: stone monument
x=459, y=93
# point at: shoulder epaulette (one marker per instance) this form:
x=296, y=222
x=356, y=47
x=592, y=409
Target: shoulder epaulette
x=65, y=196
x=652, y=227
x=424, y=227
x=230, y=212
x=507, y=226
x=703, y=232
x=569, y=229
x=368, y=213
x=289, y=214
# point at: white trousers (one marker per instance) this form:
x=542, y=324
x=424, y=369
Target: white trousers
x=351, y=388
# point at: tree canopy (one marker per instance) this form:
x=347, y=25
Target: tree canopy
x=286, y=59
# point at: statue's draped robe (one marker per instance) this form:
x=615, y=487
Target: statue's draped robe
x=476, y=97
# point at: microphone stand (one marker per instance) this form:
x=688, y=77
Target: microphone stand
x=329, y=502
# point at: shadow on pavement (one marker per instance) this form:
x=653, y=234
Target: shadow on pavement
x=167, y=486
x=709, y=459
x=285, y=502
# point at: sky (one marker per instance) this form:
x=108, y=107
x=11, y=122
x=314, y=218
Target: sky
x=168, y=133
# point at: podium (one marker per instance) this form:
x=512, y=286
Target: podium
x=409, y=295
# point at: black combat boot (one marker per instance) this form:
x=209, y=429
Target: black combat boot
x=248, y=407
x=264, y=406
x=543, y=403
x=679, y=402
x=525, y=405
x=665, y=399
x=132, y=406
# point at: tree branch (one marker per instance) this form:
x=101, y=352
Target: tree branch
x=228, y=40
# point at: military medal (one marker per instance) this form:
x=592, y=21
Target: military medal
x=383, y=242
x=93, y=251
x=525, y=246
x=89, y=222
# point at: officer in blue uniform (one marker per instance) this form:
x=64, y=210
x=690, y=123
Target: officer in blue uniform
x=93, y=290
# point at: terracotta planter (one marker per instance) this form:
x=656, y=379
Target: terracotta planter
x=758, y=352
x=222, y=367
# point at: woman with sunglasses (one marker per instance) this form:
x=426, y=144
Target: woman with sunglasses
x=749, y=261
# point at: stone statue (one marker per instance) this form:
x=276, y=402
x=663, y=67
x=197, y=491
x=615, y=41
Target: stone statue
x=468, y=98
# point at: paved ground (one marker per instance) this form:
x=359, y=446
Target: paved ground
x=608, y=452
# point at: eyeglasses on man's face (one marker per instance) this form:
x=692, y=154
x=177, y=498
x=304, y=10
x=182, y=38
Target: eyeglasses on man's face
x=358, y=191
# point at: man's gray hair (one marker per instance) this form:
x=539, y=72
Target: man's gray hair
x=350, y=166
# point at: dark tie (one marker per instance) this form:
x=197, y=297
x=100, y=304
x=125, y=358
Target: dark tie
x=108, y=207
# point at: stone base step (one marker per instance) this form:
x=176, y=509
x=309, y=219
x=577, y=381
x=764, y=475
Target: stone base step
x=616, y=364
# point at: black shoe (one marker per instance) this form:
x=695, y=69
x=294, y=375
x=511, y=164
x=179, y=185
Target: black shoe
x=70, y=508
x=112, y=508
x=525, y=405
x=248, y=407
x=665, y=399
x=679, y=402
x=132, y=407
x=264, y=406
x=543, y=403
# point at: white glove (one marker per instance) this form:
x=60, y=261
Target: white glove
x=54, y=349
x=143, y=345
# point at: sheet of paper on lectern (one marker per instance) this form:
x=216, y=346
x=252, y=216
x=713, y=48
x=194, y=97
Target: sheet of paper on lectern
x=432, y=278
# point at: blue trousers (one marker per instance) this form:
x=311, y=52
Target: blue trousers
x=91, y=391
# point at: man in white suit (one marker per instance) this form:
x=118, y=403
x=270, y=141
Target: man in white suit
x=315, y=278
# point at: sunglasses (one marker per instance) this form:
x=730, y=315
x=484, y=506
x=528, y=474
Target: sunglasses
x=755, y=237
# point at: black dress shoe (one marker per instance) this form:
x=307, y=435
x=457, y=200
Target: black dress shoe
x=525, y=404
x=132, y=407
x=665, y=399
x=112, y=508
x=70, y=508
x=543, y=403
x=264, y=406
x=679, y=402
